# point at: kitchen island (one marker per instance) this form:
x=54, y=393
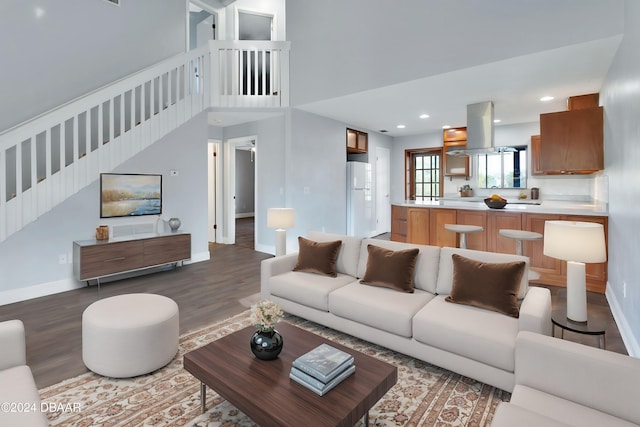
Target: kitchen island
x=423, y=223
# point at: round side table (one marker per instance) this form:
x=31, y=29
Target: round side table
x=592, y=326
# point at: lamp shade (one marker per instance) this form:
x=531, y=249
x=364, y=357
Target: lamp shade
x=575, y=241
x=281, y=218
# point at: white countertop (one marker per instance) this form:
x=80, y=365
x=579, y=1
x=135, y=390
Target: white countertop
x=558, y=207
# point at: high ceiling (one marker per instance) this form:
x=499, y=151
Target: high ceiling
x=511, y=52
x=514, y=85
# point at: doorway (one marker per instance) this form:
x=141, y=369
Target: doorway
x=214, y=198
x=201, y=26
x=236, y=186
x=383, y=190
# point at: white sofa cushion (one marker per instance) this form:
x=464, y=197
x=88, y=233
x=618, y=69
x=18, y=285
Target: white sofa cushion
x=508, y=415
x=564, y=410
x=380, y=308
x=481, y=335
x=17, y=386
x=307, y=289
x=347, y=261
x=445, y=270
x=426, y=271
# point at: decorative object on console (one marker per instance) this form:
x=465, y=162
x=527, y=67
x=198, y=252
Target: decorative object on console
x=266, y=343
x=102, y=232
x=174, y=223
x=281, y=219
x=577, y=243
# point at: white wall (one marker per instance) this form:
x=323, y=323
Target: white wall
x=620, y=97
x=245, y=180
x=270, y=171
x=29, y=258
x=53, y=52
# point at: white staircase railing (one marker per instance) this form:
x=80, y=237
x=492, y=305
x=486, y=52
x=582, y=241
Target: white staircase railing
x=51, y=157
x=250, y=73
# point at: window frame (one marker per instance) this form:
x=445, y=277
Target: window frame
x=410, y=171
x=519, y=166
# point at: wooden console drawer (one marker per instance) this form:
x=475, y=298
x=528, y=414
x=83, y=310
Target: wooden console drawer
x=105, y=259
x=163, y=250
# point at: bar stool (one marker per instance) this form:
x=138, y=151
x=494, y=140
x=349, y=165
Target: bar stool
x=463, y=229
x=519, y=236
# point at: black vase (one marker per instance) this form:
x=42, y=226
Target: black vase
x=266, y=345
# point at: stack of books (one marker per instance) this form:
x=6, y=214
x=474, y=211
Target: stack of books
x=322, y=368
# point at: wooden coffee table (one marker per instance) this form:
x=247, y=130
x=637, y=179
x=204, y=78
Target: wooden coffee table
x=266, y=394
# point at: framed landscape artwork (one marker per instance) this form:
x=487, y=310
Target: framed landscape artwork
x=125, y=195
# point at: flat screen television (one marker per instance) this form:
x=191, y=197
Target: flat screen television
x=127, y=194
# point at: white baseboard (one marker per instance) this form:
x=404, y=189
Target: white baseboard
x=64, y=285
x=628, y=338
x=41, y=290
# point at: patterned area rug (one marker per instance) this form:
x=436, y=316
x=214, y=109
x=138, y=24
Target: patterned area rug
x=424, y=395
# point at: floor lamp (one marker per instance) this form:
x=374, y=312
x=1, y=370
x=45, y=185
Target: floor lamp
x=577, y=243
x=281, y=219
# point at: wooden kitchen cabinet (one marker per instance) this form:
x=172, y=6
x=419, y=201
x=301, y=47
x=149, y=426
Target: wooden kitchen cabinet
x=418, y=225
x=398, y=223
x=477, y=241
x=357, y=141
x=596, y=272
x=571, y=142
x=438, y=236
x=536, y=168
x=549, y=268
x=497, y=220
x=552, y=271
x=455, y=139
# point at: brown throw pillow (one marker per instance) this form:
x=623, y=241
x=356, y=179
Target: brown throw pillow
x=390, y=269
x=317, y=257
x=492, y=286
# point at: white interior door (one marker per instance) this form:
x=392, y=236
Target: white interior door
x=383, y=190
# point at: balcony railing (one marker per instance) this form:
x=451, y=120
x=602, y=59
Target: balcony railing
x=49, y=158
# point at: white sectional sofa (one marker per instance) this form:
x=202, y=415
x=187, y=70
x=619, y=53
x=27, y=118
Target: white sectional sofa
x=562, y=383
x=18, y=392
x=472, y=341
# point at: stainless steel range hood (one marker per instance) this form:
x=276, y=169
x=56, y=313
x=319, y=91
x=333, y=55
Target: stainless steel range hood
x=479, y=131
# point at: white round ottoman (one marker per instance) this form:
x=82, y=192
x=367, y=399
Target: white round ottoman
x=128, y=335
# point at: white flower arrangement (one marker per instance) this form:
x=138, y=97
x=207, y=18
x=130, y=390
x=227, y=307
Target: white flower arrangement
x=265, y=315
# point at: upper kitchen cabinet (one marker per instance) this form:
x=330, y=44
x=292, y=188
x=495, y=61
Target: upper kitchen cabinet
x=455, y=139
x=571, y=142
x=357, y=141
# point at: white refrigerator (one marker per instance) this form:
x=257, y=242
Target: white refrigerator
x=360, y=204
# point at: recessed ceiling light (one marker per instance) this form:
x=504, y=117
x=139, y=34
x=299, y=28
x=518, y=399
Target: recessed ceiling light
x=383, y=131
x=401, y=126
x=446, y=127
x=546, y=98
x=424, y=116
x=496, y=120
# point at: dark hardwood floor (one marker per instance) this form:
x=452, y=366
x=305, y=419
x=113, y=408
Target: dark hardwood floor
x=205, y=293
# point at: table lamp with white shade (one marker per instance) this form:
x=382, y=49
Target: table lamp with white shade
x=281, y=219
x=577, y=243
